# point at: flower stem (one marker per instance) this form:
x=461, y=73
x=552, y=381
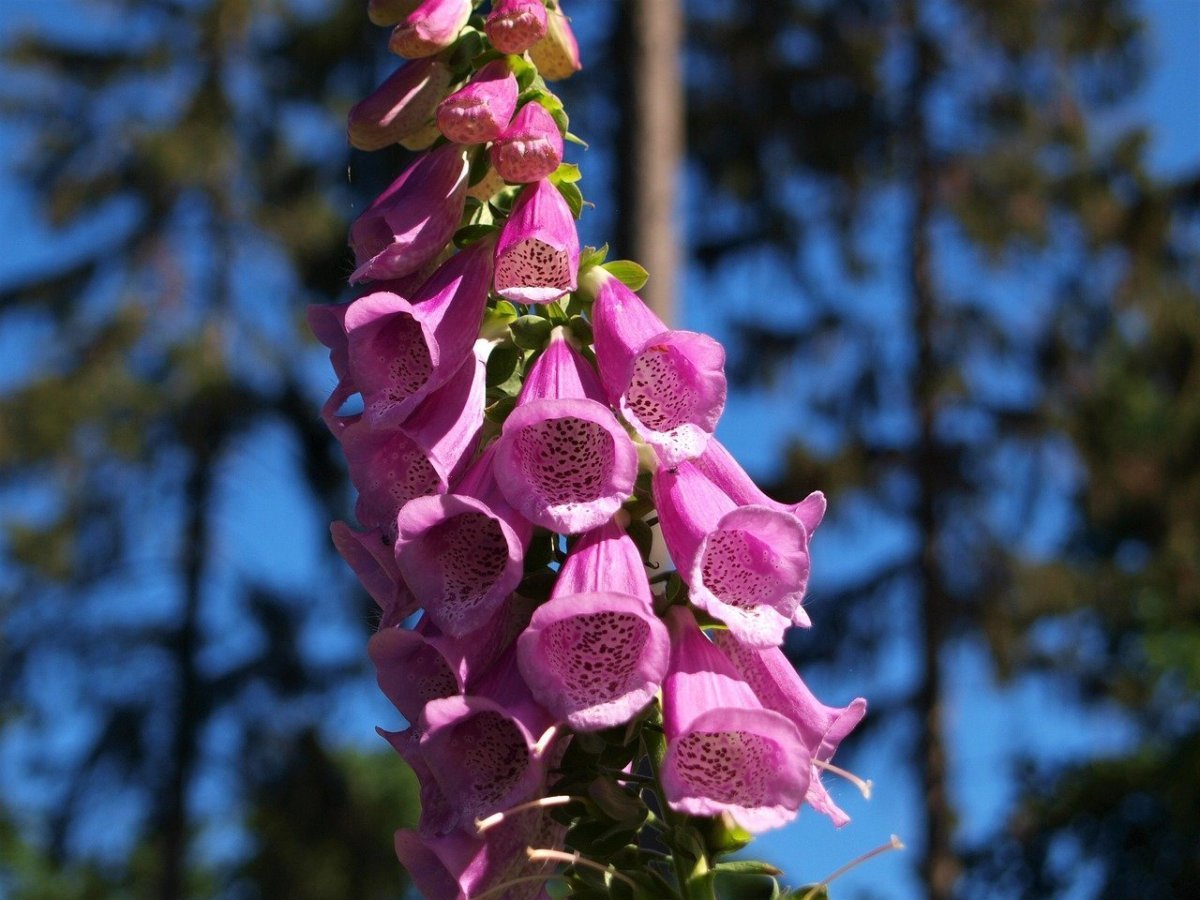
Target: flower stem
x=696, y=884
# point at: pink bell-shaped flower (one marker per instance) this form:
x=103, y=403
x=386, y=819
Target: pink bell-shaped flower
x=399, y=107
x=408, y=224
x=392, y=466
x=430, y=28
x=563, y=461
x=557, y=54
x=595, y=653
x=462, y=553
x=718, y=466
x=530, y=149
x=513, y=26
x=745, y=565
x=777, y=685
x=400, y=350
x=481, y=111
x=412, y=670
x=460, y=865
x=537, y=255
x=669, y=385
x=725, y=751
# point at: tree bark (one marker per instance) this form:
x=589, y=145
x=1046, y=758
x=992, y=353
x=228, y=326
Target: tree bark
x=649, y=39
x=940, y=866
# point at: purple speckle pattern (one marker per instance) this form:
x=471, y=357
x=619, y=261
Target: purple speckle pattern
x=470, y=553
x=533, y=264
x=739, y=573
x=399, y=350
x=595, y=656
x=731, y=767
x=493, y=757
x=658, y=394
x=565, y=461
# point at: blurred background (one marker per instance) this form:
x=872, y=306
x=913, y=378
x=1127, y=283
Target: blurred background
x=953, y=248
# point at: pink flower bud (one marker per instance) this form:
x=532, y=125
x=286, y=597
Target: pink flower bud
x=432, y=26
x=407, y=225
x=480, y=112
x=513, y=26
x=530, y=148
x=537, y=255
x=557, y=54
x=400, y=106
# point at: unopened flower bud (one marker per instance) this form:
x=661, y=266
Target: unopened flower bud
x=530, y=148
x=557, y=54
x=432, y=26
x=513, y=26
x=399, y=107
x=481, y=111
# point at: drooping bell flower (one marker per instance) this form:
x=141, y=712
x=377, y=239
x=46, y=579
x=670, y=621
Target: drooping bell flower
x=595, y=653
x=530, y=149
x=745, y=565
x=389, y=12
x=437, y=814
x=392, y=466
x=400, y=349
x=408, y=224
x=778, y=686
x=431, y=27
x=411, y=670
x=669, y=385
x=725, y=751
x=513, y=26
x=461, y=865
x=369, y=555
x=537, y=255
x=462, y=553
x=719, y=467
x=488, y=750
x=563, y=461
x=480, y=112
x=327, y=322
x=557, y=54
x=399, y=107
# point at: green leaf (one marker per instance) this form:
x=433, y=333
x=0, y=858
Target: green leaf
x=502, y=365
x=523, y=70
x=746, y=867
x=497, y=319
x=464, y=237
x=581, y=328
x=628, y=273
x=617, y=803
x=566, y=173
x=531, y=332
x=592, y=256
x=498, y=411
x=573, y=196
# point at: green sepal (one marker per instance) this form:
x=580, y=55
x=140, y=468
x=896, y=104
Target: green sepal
x=531, y=332
x=628, y=273
x=746, y=867
x=723, y=835
x=496, y=320
x=525, y=72
x=566, y=173
x=581, y=328
x=469, y=234
x=617, y=803
x=575, y=139
x=808, y=892
x=642, y=536
x=592, y=256
x=573, y=196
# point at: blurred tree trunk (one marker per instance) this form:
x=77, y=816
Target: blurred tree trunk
x=648, y=47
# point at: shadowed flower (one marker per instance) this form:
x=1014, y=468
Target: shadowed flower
x=537, y=256
x=432, y=26
x=399, y=107
x=369, y=555
x=408, y=224
x=745, y=565
x=392, y=466
x=777, y=685
x=595, y=653
x=725, y=752
x=513, y=26
x=563, y=460
x=530, y=149
x=480, y=112
x=462, y=553
x=669, y=385
x=400, y=350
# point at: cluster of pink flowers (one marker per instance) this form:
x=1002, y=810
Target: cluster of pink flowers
x=518, y=418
